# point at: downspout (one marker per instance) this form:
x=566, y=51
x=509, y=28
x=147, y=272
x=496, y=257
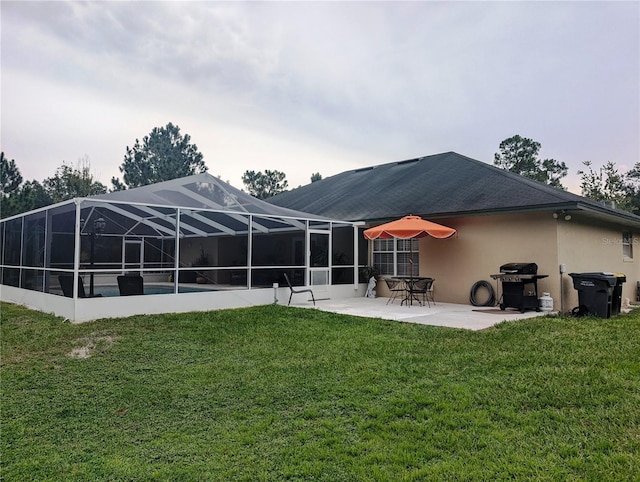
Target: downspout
x=561, y=266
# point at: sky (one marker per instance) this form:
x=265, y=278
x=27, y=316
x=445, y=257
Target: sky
x=306, y=87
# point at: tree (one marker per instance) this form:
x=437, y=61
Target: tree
x=10, y=177
x=633, y=188
x=316, y=176
x=17, y=197
x=163, y=155
x=265, y=185
x=520, y=155
x=68, y=182
x=31, y=195
x=607, y=184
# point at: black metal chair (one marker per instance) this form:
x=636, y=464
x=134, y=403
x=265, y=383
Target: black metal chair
x=297, y=291
x=130, y=285
x=422, y=287
x=66, y=283
x=429, y=293
x=396, y=288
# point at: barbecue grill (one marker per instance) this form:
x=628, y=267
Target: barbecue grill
x=519, y=286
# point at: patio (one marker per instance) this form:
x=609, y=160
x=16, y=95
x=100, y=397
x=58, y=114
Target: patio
x=441, y=314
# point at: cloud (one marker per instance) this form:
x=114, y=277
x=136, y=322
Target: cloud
x=302, y=86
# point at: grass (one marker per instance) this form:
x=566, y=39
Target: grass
x=277, y=393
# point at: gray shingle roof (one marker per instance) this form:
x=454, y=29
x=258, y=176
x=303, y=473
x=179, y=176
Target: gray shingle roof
x=440, y=185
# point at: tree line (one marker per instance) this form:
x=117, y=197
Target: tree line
x=520, y=155
x=162, y=155
x=167, y=154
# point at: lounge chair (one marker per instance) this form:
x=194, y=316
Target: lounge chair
x=130, y=285
x=297, y=291
x=66, y=283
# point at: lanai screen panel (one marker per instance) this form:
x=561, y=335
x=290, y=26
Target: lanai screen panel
x=278, y=246
x=108, y=231
x=63, y=237
x=343, y=253
x=213, y=248
x=33, y=251
x=12, y=251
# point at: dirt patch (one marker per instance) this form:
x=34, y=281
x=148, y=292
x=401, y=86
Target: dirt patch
x=89, y=345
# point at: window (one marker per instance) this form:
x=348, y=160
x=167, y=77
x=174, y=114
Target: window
x=396, y=257
x=383, y=257
x=408, y=257
x=627, y=245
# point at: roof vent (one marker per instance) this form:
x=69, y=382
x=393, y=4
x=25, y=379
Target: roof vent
x=364, y=169
x=408, y=161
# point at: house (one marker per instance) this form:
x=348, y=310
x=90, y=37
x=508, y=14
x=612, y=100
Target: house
x=501, y=218
x=194, y=243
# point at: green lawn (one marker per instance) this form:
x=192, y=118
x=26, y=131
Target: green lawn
x=277, y=393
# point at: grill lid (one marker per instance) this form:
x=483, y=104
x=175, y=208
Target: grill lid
x=519, y=268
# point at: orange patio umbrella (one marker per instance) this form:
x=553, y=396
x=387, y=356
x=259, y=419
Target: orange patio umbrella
x=410, y=227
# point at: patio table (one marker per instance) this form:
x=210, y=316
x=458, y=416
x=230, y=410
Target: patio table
x=409, y=287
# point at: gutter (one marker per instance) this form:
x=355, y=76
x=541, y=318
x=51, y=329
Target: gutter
x=603, y=212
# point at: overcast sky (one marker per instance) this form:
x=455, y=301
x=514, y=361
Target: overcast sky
x=318, y=87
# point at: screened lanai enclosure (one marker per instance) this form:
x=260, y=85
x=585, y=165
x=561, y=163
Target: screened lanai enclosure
x=197, y=240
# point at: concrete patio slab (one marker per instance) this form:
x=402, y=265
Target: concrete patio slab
x=441, y=314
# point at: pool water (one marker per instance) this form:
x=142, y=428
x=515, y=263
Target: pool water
x=148, y=290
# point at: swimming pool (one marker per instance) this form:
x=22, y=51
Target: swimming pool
x=149, y=289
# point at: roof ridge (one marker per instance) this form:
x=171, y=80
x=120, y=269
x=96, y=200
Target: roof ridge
x=413, y=159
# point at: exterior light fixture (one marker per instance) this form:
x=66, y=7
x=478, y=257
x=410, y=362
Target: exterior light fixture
x=562, y=214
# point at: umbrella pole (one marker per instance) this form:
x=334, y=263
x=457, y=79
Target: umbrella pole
x=411, y=259
x=411, y=286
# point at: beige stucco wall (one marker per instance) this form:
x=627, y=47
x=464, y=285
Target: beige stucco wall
x=485, y=243
x=585, y=246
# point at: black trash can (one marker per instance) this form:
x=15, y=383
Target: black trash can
x=616, y=301
x=595, y=292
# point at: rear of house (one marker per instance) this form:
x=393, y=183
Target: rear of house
x=500, y=217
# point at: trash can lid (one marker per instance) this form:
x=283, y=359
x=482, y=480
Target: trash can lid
x=600, y=276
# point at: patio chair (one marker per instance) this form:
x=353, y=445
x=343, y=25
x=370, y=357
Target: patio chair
x=429, y=293
x=422, y=287
x=130, y=285
x=297, y=291
x=66, y=283
x=396, y=288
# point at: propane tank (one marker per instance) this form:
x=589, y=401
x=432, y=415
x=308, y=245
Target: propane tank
x=546, y=302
